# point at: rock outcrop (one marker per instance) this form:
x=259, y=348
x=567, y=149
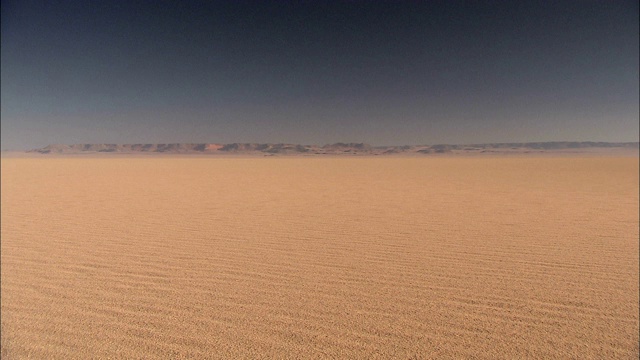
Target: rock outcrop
x=330, y=149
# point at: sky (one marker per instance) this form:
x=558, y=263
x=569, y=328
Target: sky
x=318, y=72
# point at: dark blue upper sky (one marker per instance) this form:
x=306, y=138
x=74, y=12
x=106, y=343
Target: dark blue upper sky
x=318, y=72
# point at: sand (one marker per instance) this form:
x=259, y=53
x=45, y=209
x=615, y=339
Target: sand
x=528, y=257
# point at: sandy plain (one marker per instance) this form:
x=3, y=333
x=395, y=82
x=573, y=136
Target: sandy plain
x=408, y=258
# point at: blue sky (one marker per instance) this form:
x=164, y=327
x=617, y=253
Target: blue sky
x=386, y=73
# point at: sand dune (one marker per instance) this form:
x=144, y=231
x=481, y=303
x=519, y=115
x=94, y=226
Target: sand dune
x=320, y=258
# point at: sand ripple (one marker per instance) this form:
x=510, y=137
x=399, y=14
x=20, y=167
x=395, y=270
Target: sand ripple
x=320, y=258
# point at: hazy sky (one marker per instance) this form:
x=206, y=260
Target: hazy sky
x=317, y=72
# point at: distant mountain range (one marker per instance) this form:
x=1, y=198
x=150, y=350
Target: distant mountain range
x=330, y=149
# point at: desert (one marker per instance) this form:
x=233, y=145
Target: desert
x=320, y=180
x=416, y=257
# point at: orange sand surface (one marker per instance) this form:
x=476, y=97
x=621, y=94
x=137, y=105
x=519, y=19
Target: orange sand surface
x=528, y=257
